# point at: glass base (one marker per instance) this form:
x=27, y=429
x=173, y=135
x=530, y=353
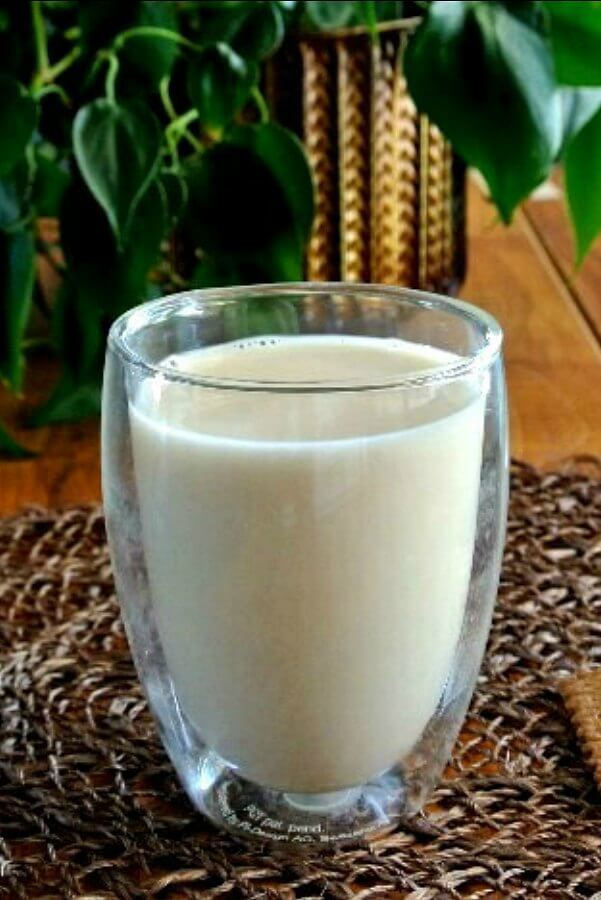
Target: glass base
x=248, y=809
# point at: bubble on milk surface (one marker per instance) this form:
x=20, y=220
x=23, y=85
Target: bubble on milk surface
x=252, y=343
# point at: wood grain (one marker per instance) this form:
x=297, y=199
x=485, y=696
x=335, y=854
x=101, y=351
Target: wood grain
x=549, y=221
x=66, y=469
x=553, y=357
x=553, y=361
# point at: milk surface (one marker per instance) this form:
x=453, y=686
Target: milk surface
x=308, y=554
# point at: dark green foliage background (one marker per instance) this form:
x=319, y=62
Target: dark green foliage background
x=141, y=127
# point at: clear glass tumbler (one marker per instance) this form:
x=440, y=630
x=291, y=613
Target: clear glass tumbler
x=305, y=489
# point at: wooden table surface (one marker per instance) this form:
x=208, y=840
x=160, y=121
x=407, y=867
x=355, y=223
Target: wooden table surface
x=522, y=275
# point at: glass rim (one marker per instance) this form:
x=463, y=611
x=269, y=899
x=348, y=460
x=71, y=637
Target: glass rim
x=478, y=361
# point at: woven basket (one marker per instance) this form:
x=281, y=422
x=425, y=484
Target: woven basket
x=390, y=192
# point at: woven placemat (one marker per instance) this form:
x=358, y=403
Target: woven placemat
x=89, y=806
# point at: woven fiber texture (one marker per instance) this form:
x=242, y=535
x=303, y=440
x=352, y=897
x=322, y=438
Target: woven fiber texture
x=89, y=807
x=582, y=697
x=389, y=193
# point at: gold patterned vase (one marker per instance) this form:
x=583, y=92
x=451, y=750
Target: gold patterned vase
x=389, y=191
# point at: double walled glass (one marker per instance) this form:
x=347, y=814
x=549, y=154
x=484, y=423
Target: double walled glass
x=305, y=490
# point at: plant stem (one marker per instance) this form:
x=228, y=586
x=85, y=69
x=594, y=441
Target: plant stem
x=179, y=128
x=54, y=89
x=154, y=31
x=41, y=45
x=261, y=104
x=173, y=152
x=111, y=76
x=62, y=65
x=45, y=73
x=193, y=141
x=184, y=120
x=166, y=99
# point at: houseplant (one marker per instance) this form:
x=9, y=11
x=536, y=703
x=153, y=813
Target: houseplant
x=142, y=127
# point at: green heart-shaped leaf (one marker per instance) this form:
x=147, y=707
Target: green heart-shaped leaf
x=49, y=185
x=576, y=40
x=485, y=77
x=117, y=147
x=153, y=57
x=11, y=203
x=220, y=21
x=235, y=206
x=174, y=193
x=249, y=191
x=18, y=116
x=281, y=260
x=16, y=196
x=329, y=15
x=578, y=106
x=108, y=276
x=78, y=327
x=583, y=184
x=101, y=22
x=283, y=154
x=69, y=401
x=261, y=31
x=17, y=272
x=219, y=82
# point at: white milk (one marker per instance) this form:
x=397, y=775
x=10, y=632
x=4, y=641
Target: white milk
x=309, y=555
